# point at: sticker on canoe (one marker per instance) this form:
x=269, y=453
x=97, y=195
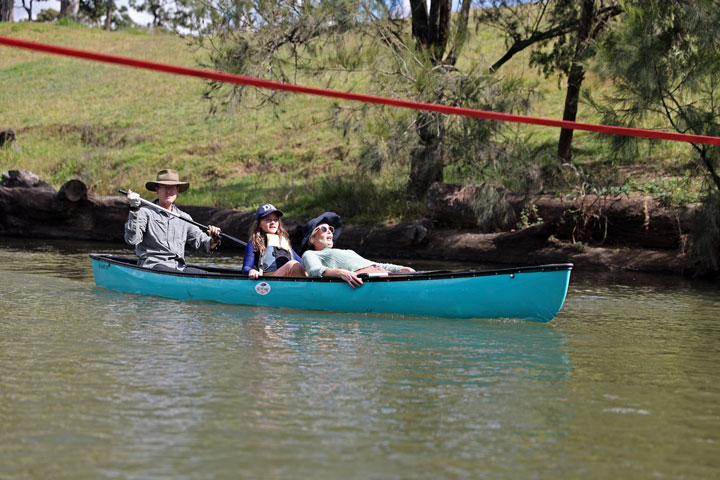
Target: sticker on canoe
x=262, y=288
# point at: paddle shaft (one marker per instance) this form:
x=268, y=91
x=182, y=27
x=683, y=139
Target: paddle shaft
x=199, y=225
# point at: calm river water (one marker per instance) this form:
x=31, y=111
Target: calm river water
x=623, y=383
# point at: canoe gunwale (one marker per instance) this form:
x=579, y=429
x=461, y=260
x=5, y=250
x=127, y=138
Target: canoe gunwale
x=229, y=273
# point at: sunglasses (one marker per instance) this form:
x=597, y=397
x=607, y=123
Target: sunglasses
x=324, y=229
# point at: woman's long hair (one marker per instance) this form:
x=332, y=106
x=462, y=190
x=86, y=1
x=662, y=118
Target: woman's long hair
x=258, y=238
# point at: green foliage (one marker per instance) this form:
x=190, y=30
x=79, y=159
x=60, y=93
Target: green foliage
x=94, y=12
x=669, y=191
x=332, y=42
x=357, y=197
x=66, y=22
x=580, y=246
x=529, y=216
x=665, y=65
x=493, y=213
x=47, y=15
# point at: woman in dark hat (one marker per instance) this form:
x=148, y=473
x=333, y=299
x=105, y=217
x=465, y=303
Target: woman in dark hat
x=160, y=238
x=268, y=251
x=322, y=260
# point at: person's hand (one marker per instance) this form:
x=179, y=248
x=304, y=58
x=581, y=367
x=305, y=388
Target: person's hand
x=351, y=278
x=254, y=274
x=214, y=233
x=407, y=269
x=133, y=199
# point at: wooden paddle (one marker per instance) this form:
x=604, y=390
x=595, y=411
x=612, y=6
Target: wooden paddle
x=199, y=225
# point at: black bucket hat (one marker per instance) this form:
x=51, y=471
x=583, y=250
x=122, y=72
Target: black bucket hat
x=331, y=218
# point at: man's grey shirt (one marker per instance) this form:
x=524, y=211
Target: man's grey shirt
x=160, y=238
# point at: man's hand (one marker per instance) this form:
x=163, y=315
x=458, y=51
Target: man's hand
x=133, y=199
x=214, y=233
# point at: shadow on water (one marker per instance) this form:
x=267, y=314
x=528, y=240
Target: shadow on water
x=517, y=343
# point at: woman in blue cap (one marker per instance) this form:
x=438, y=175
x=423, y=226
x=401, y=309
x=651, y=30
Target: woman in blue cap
x=322, y=260
x=268, y=251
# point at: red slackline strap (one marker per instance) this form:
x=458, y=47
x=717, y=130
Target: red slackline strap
x=269, y=84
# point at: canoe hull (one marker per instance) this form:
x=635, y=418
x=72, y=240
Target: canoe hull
x=529, y=293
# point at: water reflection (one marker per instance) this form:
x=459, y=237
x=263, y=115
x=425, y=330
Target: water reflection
x=172, y=388
x=95, y=383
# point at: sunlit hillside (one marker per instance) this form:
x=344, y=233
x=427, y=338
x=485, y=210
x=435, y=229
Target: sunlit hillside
x=115, y=126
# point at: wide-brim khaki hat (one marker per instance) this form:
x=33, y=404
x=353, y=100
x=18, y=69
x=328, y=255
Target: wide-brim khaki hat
x=167, y=177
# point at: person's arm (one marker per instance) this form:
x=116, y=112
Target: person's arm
x=350, y=277
x=248, y=267
x=314, y=266
x=351, y=260
x=198, y=239
x=391, y=267
x=135, y=226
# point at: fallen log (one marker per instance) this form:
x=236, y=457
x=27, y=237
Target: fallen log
x=30, y=208
x=637, y=221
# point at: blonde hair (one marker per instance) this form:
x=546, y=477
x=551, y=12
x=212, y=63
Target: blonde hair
x=258, y=238
x=312, y=238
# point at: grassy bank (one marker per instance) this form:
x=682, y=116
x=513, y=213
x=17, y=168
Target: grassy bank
x=115, y=127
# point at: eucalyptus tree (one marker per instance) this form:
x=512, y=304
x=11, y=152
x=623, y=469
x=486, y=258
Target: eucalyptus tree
x=7, y=10
x=664, y=62
x=93, y=11
x=561, y=34
x=389, y=51
x=163, y=11
x=28, y=6
x=69, y=9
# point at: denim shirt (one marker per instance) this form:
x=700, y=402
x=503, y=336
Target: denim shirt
x=160, y=238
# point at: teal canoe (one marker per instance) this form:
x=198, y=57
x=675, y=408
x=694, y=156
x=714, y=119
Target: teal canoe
x=526, y=293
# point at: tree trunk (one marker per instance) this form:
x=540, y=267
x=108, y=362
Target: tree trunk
x=439, y=22
x=575, y=79
x=431, y=35
x=420, y=27
x=28, y=9
x=69, y=9
x=6, y=11
x=461, y=32
x=108, y=18
x=428, y=158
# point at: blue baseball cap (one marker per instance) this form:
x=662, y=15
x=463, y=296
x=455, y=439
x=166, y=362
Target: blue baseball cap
x=265, y=210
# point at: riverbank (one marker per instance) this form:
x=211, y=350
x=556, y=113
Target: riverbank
x=31, y=208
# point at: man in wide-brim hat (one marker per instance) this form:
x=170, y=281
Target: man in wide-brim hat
x=159, y=237
x=167, y=177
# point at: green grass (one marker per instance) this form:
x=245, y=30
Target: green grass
x=114, y=127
